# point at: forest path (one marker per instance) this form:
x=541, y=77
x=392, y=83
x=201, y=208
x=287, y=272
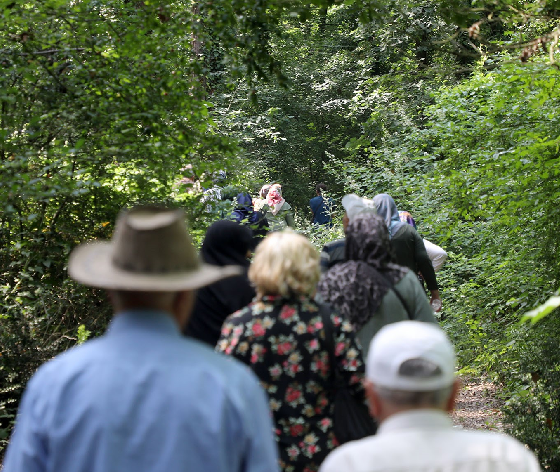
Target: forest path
x=478, y=405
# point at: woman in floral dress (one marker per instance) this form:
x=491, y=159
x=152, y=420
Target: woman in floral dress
x=281, y=337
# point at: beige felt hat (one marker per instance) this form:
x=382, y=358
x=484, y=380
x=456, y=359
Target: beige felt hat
x=151, y=250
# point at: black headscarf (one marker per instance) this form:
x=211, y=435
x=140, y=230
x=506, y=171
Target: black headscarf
x=244, y=213
x=357, y=287
x=226, y=243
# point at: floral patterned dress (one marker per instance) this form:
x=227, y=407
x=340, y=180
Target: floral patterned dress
x=283, y=341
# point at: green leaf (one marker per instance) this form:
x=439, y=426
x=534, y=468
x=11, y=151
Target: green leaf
x=541, y=311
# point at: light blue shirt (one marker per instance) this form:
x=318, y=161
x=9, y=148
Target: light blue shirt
x=143, y=398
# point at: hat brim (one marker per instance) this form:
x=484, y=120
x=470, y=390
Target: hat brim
x=92, y=264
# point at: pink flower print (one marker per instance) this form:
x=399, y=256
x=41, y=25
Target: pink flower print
x=312, y=449
x=295, y=368
x=318, y=325
x=284, y=348
x=258, y=330
x=339, y=348
x=254, y=358
x=321, y=367
x=292, y=394
x=314, y=344
x=326, y=422
x=296, y=430
x=293, y=452
x=287, y=312
x=275, y=371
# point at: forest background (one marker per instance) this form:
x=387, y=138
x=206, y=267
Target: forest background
x=451, y=107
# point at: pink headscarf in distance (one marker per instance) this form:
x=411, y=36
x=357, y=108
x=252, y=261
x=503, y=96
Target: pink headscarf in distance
x=275, y=199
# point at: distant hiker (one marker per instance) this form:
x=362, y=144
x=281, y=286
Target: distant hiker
x=260, y=202
x=213, y=195
x=333, y=252
x=368, y=288
x=245, y=214
x=408, y=245
x=412, y=390
x=226, y=243
x=279, y=212
x=436, y=254
x=321, y=206
x=142, y=397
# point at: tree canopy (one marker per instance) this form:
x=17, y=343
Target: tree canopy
x=451, y=107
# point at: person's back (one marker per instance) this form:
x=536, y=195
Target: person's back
x=321, y=206
x=411, y=389
x=369, y=289
x=427, y=442
x=410, y=303
x=140, y=398
x=225, y=243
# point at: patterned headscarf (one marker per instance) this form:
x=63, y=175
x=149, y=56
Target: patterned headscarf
x=274, y=198
x=387, y=209
x=357, y=286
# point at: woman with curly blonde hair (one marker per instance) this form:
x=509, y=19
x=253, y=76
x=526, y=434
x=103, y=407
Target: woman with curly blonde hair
x=281, y=336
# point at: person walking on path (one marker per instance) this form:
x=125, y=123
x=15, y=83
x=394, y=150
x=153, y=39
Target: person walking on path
x=333, y=251
x=279, y=212
x=369, y=289
x=245, y=214
x=260, y=202
x=411, y=388
x=437, y=255
x=321, y=207
x=282, y=338
x=143, y=398
x=226, y=243
x=408, y=246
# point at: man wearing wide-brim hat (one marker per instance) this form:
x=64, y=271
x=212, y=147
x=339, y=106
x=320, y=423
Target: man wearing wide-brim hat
x=142, y=397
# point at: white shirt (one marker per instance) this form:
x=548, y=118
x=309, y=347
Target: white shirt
x=426, y=441
x=436, y=254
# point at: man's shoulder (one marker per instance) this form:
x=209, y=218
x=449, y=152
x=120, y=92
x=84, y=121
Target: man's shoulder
x=377, y=453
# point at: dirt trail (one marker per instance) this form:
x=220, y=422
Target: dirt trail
x=478, y=406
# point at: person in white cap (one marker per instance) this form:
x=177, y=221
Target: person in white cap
x=333, y=252
x=411, y=388
x=142, y=397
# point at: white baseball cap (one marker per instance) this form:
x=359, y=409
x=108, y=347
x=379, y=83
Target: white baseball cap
x=354, y=205
x=411, y=356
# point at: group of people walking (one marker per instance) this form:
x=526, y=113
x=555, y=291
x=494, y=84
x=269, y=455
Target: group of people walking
x=269, y=212
x=144, y=398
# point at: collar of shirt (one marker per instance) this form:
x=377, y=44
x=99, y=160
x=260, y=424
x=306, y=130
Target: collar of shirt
x=416, y=419
x=144, y=320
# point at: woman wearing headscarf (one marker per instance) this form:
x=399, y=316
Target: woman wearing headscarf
x=279, y=212
x=282, y=337
x=244, y=213
x=259, y=203
x=369, y=289
x=226, y=243
x=407, y=244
